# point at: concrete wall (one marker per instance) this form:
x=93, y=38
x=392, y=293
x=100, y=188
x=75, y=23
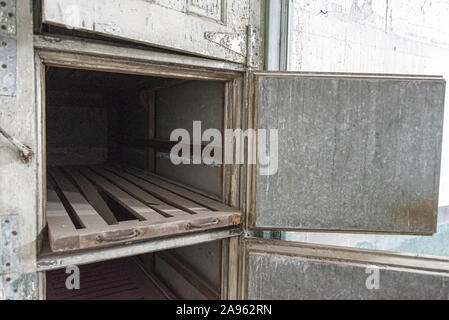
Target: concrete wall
x=375, y=36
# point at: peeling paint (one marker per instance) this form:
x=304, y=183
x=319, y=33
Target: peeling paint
x=176, y=25
x=230, y=41
x=109, y=28
x=19, y=286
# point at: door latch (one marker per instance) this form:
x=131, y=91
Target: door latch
x=25, y=152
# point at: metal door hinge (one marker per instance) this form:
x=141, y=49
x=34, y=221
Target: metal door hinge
x=9, y=243
x=18, y=286
x=14, y=285
x=235, y=42
x=8, y=48
x=244, y=44
x=253, y=57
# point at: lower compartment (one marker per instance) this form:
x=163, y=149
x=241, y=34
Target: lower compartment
x=188, y=273
x=121, y=279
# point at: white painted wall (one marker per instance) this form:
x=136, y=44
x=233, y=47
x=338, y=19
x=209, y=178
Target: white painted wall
x=374, y=36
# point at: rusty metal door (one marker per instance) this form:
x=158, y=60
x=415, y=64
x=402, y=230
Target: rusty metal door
x=355, y=152
x=212, y=28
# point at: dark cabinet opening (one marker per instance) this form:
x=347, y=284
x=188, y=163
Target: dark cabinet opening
x=189, y=273
x=110, y=179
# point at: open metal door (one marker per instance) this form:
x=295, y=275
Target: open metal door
x=280, y=270
x=212, y=28
x=356, y=152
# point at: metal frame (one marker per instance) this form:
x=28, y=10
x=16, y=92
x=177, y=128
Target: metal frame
x=51, y=261
x=277, y=34
x=106, y=49
x=95, y=55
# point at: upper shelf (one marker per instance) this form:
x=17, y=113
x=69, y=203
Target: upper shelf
x=90, y=207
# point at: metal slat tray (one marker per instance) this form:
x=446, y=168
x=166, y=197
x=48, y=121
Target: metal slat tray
x=90, y=207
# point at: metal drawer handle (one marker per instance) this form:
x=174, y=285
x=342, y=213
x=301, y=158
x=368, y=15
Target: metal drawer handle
x=203, y=225
x=133, y=235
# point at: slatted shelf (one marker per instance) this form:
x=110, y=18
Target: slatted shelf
x=97, y=206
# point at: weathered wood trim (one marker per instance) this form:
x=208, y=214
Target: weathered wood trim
x=251, y=173
x=103, y=48
x=233, y=120
x=233, y=268
x=50, y=261
x=108, y=64
x=224, y=269
x=41, y=169
x=236, y=124
x=227, y=117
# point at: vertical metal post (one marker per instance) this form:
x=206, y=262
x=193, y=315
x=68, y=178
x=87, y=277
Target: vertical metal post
x=276, y=58
x=277, y=35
